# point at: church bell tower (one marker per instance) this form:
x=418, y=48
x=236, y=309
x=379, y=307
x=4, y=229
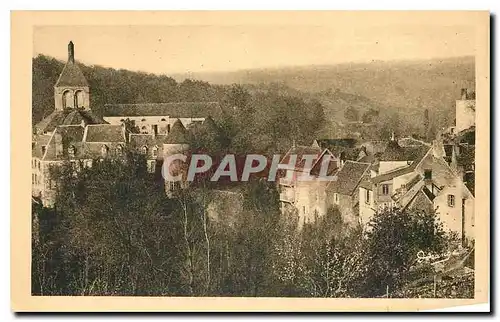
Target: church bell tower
x=72, y=89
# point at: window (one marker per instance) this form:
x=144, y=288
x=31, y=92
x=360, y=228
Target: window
x=385, y=189
x=163, y=120
x=451, y=201
x=143, y=120
x=38, y=162
x=428, y=174
x=154, y=151
x=44, y=147
x=144, y=149
x=304, y=210
x=71, y=151
x=336, y=197
x=367, y=196
x=168, y=128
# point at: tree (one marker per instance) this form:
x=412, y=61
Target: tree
x=115, y=229
x=130, y=126
x=392, y=242
x=351, y=114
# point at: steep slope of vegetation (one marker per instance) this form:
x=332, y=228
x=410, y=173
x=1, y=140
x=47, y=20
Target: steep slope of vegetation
x=403, y=87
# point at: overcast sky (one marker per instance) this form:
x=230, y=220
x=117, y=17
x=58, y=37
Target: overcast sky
x=181, y=49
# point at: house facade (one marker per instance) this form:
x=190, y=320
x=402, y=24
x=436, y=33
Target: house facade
x=427, y=184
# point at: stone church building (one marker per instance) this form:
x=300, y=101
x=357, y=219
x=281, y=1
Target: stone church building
x=73, y=132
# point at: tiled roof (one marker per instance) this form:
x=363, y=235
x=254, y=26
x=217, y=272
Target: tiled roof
x=333, y=165
x=176, y=110
x=137, y=141
x=402, y=171
x=394, y=152
x=67, y=117
x=366, y=184
x=209, y=126
x=71, y=76
x=409, y=141
x=178, y=134
x=369, y=158
x=393, y=174
x=105, y=133
x=62, y=138
x=72, y=133
x=93, y=150
x=38, y=142
x=349, y=177
x=374, y=147
x=300, y=151
x=330, y=143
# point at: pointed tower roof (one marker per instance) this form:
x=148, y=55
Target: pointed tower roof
x=210, y=127
x=178, y=134
x=71, y=74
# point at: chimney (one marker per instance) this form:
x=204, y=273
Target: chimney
x=71, y=52
x=463, y=94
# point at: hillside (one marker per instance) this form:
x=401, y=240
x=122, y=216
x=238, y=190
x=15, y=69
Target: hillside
x=406, y=87
x=389, y=96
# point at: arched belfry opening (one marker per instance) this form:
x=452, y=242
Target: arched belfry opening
x=79, y=99
x=67, y=99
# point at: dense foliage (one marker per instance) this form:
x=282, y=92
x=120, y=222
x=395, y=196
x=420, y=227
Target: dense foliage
x=114, y=232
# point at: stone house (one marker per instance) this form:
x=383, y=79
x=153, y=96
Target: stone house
x=307, y=197
x=428, y=183
x=343, y=192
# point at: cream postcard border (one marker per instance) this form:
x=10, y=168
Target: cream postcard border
x=22, y=24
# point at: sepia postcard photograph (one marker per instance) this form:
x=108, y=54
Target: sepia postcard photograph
x=250, y=161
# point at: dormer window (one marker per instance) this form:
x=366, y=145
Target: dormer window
x=143, y=120
x=154, y=151
x=163, y=120
x=144, y=149
x=104, y=151
x=71, y=151
x=119, y=150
